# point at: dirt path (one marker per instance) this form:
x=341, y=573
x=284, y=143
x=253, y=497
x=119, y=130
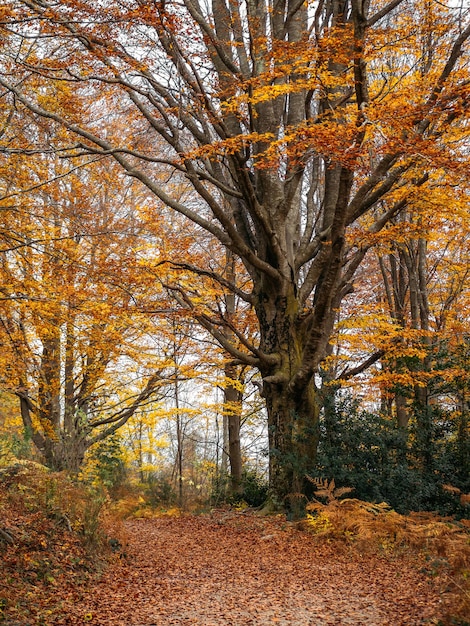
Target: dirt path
x=238, y=570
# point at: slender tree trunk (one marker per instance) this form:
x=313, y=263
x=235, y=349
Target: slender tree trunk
x=179, y=442
x=233, y=405
x=396, y=286
x=232, y=395
x=69, y=387
x=141, y=453
x=463, y=433
x=225, y=445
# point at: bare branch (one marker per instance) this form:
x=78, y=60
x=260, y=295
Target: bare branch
x=388, y=8
x=348, y=373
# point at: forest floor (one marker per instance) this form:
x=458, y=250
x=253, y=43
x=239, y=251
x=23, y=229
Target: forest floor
x=236, y=569
x=350, y=563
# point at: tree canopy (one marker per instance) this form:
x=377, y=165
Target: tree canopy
x=294, y=134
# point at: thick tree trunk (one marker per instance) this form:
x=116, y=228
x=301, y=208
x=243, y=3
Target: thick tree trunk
x=60, y=451
x=66, y=455
x=293, y=440
x=293, y=413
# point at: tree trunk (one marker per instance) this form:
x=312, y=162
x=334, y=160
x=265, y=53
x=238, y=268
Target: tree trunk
x=293, y=440
x=293, y=410
x=232, y=396
x=180, y=443
x=232, y=408
x=67, y=455
x=402, y=414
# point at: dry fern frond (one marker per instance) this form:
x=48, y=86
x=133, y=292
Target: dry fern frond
x=342, y=491
x=465, y=499
x=451, y=489
x=320, y=483
x=327, y=489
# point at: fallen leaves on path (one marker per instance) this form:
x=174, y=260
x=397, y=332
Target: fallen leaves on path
x=238, y=570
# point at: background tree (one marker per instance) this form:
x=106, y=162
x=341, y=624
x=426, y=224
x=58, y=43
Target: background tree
x=70, y=280
x=400, y=432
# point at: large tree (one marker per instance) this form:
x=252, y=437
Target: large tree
x=301, y=129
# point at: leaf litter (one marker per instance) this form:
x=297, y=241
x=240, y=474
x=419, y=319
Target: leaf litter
x=236, y=569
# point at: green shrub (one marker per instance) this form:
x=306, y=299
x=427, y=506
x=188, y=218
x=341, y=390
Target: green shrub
x=406, y=469
x=106, y=464
x=254, y=489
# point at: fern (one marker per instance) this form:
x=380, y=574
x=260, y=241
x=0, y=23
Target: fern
x=328, y=490
x=464, y=497
x=443, y=542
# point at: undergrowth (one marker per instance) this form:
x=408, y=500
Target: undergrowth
x=443, y=543
x=137, y=507
x=55, y=537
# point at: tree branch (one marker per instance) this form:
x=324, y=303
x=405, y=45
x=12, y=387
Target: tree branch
x=354, y=371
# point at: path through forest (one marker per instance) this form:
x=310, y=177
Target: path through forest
x=231, y=569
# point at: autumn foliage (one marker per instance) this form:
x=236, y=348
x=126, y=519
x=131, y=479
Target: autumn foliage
x=234, y=242
x=292, y=177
